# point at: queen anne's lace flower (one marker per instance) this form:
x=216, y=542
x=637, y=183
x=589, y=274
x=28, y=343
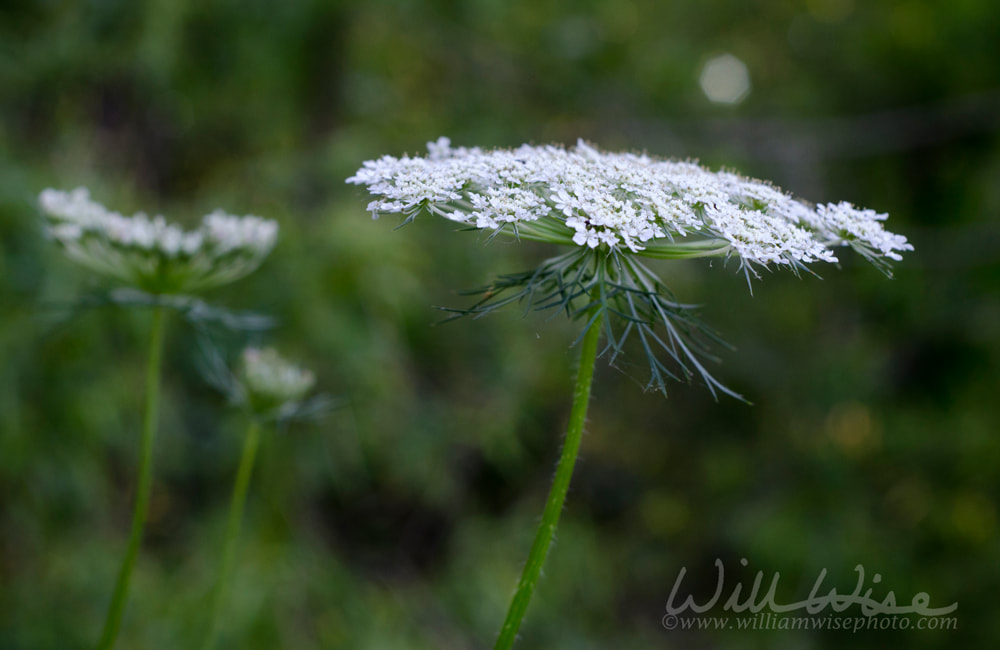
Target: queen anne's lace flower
x=610, y=209
x=152, y=254
x=622, y=201
x=271, y=382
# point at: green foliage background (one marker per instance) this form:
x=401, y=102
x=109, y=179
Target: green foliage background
x=401, y=521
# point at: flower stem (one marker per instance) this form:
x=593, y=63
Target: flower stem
x=557, y=493
x=232, y=530
x=145, y=482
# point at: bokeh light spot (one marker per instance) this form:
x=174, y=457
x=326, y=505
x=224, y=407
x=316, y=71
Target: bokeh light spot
x=725, y=79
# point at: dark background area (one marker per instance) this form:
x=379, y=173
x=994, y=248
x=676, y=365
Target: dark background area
x=402, y=520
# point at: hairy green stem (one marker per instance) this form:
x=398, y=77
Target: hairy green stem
x=560, y=485
x=232, y=531
x=144, y=486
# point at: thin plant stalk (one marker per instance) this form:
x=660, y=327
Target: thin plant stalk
x=145, y=482
x=236, y=504
x=560, y=486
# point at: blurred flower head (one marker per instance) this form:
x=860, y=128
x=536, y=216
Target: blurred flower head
x=271, y=384
x=150, y=253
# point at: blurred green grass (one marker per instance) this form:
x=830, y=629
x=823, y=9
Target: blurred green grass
x=402, y=520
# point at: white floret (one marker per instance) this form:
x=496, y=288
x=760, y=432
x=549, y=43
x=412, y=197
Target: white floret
x=843, y=223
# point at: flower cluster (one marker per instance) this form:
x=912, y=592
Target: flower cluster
x=622, y=201
x=272, y=383
x=151, y=254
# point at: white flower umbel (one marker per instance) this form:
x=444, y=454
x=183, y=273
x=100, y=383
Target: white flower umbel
x=271, y=382
x=152, y=254
x=652, y=207
x=609, y=210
